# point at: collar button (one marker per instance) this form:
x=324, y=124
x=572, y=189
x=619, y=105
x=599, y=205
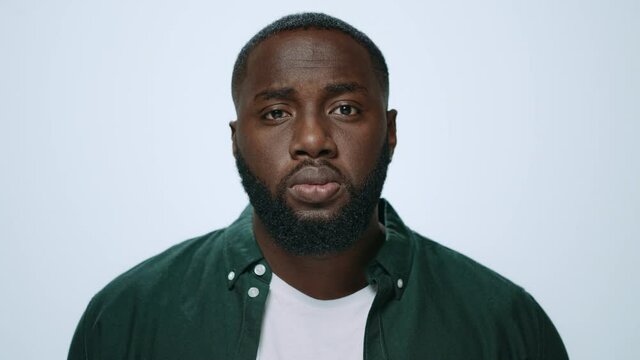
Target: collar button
x=259, y=269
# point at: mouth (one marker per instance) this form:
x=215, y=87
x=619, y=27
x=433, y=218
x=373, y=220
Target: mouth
x=314, y=185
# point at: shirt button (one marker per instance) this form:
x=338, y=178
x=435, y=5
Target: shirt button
x=231, y=275
x=259, y=269
x=400, y=283
x=253, y=292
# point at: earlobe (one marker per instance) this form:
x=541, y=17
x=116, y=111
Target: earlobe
x=391, y=131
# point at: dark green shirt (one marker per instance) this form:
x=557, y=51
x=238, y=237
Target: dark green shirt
x=203, y=299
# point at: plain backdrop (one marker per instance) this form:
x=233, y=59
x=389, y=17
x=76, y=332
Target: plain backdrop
x=518, y=145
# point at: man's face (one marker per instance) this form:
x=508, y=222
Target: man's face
x=312, y=132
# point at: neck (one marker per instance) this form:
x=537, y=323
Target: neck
x=328, y=276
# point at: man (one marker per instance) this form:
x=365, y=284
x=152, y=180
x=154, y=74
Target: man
x=319, y=267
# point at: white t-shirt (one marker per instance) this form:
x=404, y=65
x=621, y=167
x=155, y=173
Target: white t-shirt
x=298, y=327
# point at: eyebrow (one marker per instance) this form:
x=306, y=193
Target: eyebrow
x=280, y=93
x=341, y=88
x=289, y=92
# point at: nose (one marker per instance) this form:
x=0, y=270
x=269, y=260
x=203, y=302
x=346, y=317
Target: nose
x=312, y=137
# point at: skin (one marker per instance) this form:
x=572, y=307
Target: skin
x=293, y=106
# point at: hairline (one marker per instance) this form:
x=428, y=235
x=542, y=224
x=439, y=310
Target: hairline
x=322, y=22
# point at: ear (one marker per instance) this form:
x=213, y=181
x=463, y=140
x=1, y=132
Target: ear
x=233, y=125
x=391, y=131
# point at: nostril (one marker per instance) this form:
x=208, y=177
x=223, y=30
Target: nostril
x=325, y=152
x=300, y=153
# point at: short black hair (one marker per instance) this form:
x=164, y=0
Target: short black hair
x=305, y=21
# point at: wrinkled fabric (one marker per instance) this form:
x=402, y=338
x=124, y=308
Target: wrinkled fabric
x=202, y=299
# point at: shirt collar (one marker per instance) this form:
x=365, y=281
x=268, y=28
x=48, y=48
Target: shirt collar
x=240, y=246
x=393, y=260
x=395, y=257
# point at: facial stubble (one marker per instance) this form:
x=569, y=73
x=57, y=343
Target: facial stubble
x=307, y=236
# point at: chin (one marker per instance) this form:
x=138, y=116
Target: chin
x=318, y=212
x=317, y=215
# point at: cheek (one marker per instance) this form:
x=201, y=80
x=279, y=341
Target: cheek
x=360, y=149
x=265, y=153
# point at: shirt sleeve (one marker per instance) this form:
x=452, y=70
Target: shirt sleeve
x=78, y=348
x=550, y=345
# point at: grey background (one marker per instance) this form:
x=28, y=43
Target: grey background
x=517, y=127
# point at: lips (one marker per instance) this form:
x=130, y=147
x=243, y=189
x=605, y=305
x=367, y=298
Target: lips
x=314, y=185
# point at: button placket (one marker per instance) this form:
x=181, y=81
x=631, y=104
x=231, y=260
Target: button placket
x=253, y=292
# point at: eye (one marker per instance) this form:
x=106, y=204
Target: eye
x=275, y=114
x=345, y=110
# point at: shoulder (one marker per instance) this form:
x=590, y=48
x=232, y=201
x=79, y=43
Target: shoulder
x=455, y=282
x=465, y=292
x=444, y=269
x=164, y=296
x=178, y=267
x=436, y=271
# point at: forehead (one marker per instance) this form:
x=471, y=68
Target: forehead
x=302, y=58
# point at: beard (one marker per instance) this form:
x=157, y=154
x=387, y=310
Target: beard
x=307, y=236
